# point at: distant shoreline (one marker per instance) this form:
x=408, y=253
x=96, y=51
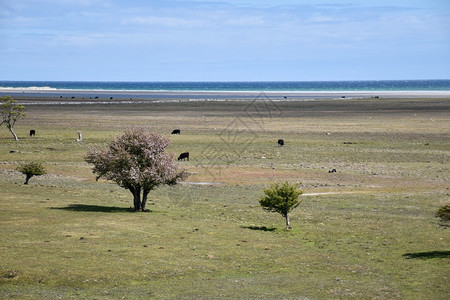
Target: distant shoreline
x=218, y=95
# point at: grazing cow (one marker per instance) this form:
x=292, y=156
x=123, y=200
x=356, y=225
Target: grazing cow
x=183, y=156
x=280, y=142
x=32, y=132
x=332, y=171
x=176, y=131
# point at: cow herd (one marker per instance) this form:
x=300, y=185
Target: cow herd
x=185, y=155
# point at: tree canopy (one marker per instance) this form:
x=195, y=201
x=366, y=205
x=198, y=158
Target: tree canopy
x=136, y=161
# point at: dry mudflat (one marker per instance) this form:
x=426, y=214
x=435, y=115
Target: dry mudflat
x=366, y=231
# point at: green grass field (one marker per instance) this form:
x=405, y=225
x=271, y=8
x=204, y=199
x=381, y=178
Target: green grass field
x=367, y=231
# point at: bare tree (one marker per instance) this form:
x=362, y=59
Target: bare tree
x=11, y=112
x=136, y=161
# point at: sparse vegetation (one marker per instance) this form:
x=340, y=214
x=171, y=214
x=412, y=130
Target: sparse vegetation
x=365, y=232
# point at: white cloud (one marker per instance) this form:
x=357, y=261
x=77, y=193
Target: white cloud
x=246, y=21
x=322, y=19
x=163, y=21
x=80, y=40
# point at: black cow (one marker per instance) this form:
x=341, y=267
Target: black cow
x=32, y=132
x=280, y=142
x=176, y=131
x=183, y=156
x=332, y=171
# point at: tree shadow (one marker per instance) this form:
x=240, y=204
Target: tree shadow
x=428, y=254
x=261, y=228
x=94, y=208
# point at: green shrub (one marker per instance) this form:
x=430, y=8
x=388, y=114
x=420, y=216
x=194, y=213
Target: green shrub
x=281, y=198
x=31, y=169
x=444, y=213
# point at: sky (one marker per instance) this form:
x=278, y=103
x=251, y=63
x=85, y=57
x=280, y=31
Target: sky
x=224, y=40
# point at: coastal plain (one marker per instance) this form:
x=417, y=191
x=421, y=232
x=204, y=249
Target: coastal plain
x=366, y=231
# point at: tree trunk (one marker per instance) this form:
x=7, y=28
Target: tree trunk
x=28, y=178
x=288, y=224
x=144, y=199
x=14, y=135
x=136, y=197
x=137, y=200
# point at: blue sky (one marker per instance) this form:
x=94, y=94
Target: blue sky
x=234, y=40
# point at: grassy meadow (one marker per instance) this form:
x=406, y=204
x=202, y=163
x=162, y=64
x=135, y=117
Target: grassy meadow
x=367, y=231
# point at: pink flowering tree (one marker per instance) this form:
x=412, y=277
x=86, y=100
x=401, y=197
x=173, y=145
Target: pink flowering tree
x=136, y=161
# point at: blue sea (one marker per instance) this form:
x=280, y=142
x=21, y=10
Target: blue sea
x=374, y=85
x=213, y=89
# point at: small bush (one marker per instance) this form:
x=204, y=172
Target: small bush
x=281, y=198
x=31, y=169
x=444, y=213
